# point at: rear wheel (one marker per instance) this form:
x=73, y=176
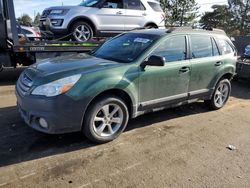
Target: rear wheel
x=221, y=95
x=82, y=32
x=106, y=119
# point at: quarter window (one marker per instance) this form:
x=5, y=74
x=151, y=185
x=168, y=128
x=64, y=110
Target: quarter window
x=201, y=46
x=173, y=49
x=155, y=6
x=225, y=47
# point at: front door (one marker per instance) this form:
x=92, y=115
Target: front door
x=159, y=86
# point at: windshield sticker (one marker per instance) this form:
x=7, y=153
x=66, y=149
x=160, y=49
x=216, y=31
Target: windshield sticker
x=142, y=40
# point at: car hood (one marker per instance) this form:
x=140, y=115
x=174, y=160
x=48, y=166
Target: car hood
x=56, y=68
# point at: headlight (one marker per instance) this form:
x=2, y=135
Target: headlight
x=56, y=87
x=56, y=11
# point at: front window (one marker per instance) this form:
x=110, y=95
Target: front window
x=126, y=47
x=172, y=49
x=89, y=3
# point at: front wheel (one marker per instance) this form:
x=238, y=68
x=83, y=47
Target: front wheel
x=220, y=96
x=105, y=119
x=82, y=32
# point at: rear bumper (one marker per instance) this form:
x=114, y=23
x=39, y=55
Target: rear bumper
x=243, y=69
x=62, y=113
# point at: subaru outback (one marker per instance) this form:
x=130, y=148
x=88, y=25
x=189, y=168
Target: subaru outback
x=102, y=18
x=134, y=73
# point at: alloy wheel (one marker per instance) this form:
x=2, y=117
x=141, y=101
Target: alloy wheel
x=82, y=33
x=221, y=94
x=108, y=120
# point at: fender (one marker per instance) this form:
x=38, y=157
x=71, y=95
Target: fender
x=82, y=18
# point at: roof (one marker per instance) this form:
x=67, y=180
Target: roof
x=185, y=30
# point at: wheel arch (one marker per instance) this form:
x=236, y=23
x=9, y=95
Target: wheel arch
x=228, y=76
x=84, y=19
x=113, y=92
x=151, y=24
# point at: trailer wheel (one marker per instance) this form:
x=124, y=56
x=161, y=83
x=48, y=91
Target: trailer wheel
x=82, y=31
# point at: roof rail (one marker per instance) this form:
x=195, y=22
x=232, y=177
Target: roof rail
x=205, y=29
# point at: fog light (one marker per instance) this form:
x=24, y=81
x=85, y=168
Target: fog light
x=56, y=22
x=43, y=123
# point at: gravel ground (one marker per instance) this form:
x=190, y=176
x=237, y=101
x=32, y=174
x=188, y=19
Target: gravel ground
x=180, y=147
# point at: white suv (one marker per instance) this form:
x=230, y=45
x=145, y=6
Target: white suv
x=100, y=18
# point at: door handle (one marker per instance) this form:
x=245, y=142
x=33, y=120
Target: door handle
x=119, y=12
x=144, y=14
x=217, y=64
x=184, y=69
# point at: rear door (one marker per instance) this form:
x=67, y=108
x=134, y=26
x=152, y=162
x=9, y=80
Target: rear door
x=206, y=63
x=135, y=14
x=111, y=17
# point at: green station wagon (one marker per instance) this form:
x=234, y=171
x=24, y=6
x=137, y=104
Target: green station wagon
x=134, y=73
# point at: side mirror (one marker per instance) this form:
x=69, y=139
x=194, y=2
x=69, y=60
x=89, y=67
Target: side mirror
x=153, y=60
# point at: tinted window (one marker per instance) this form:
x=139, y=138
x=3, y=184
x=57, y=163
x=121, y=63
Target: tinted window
x=113, y=4
x=125, y=48
x=88, y=3
x=224, y=46
x=215, y=48
x=173, y=49
x=201, y=46
x=26, y=32
x=135, y=4
x=155, y=6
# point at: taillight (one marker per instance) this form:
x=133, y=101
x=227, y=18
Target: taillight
x=163, y=16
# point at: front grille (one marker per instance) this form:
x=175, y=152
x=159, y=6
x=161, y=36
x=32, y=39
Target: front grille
x=45, y=13
x=24, y=84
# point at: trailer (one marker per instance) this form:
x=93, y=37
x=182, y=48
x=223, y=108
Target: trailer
x=16, y=51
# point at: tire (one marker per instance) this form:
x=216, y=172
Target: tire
x=220, y=96
x=82, y=32
x=100, y=125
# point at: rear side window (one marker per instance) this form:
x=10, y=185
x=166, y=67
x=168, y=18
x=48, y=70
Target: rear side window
x=224, y=46
x=155, y=6
x=135, y=5
x=173, y=49
x=201, y=46
x=116, y=4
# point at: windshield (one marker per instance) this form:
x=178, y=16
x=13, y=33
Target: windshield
x=126, y=47
x=89, y=3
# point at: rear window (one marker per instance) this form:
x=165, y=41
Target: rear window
x=155, y=6
x=135, y=5
x=201, y=46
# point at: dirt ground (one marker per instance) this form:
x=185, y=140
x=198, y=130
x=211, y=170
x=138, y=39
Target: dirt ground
x=181, y=147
